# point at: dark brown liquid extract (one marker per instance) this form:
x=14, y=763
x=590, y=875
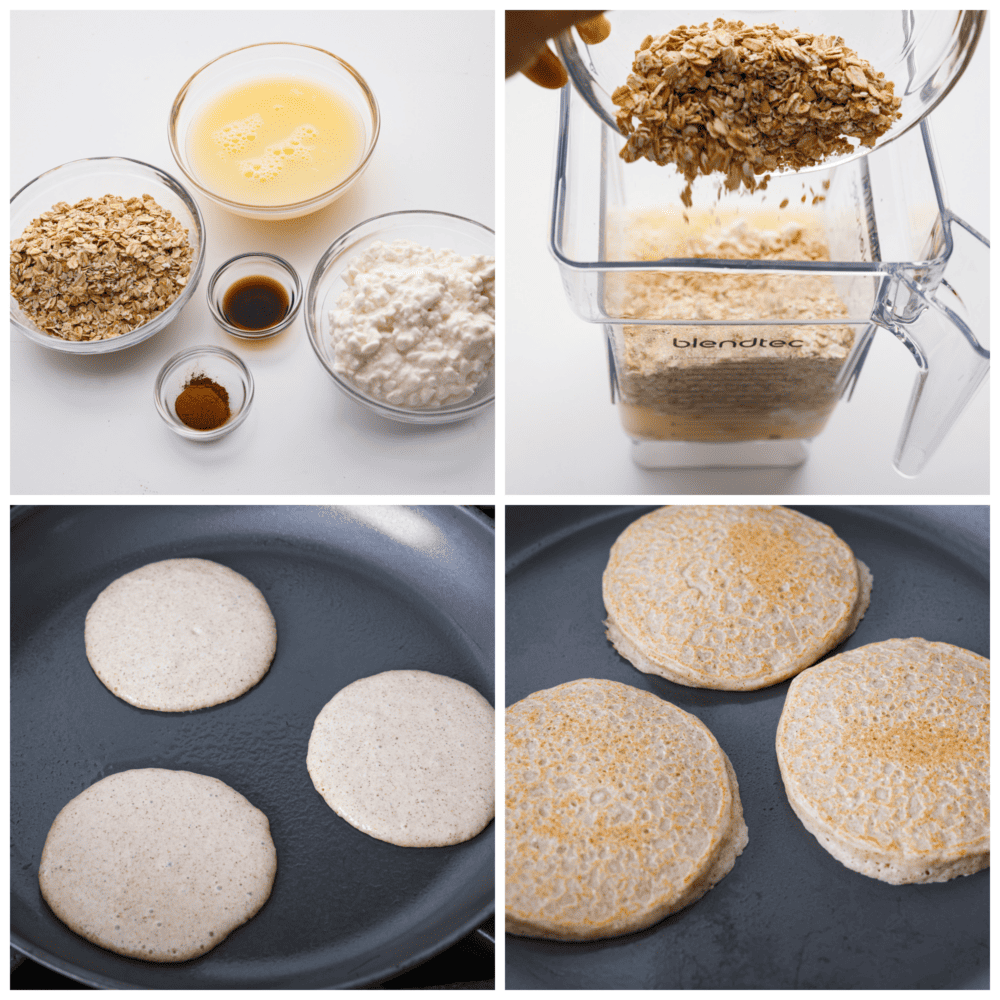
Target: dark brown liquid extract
x=255, y=303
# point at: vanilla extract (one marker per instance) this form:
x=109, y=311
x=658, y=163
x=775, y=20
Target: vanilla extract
x=256, y=302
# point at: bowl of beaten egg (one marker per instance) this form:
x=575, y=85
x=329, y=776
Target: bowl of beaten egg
x=274, y=131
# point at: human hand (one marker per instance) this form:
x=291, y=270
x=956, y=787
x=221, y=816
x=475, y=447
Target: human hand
x=527, y=31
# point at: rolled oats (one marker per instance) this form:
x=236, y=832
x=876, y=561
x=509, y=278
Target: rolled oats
x=101, y=267
x=743, y=101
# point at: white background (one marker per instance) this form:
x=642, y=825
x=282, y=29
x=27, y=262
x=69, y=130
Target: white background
x=563, y=436
x=102, y=83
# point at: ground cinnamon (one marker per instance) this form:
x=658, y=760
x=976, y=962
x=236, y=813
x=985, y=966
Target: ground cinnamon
x=203, y=404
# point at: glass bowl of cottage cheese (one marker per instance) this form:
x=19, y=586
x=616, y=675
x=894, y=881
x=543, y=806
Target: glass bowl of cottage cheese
x=401, y=311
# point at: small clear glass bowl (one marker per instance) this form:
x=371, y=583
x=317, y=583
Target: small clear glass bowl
x=93, y=178
x=248, y=265
x=439, y=230
x=266, y=59
x=218, y=364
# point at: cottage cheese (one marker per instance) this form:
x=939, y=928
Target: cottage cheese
x=415, y=325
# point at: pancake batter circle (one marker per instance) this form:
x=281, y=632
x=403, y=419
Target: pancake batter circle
x=179, y=635
x=407, y=757
x=157, y=864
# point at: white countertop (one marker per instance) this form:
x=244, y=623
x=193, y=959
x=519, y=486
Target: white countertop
x=102, y=83
x=563, y=436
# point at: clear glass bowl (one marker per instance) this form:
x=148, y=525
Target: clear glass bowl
x=218, y=364
x=93, y=178
x=248, y=265
x=254, y=62
x=923, y=52
x=434, y=229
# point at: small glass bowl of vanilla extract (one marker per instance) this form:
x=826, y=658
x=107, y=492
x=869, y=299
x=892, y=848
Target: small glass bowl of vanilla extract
x=255, y=295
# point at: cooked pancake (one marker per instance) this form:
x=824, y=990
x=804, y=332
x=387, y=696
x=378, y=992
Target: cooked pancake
x=621, y=809
x=731, y=597
x=407, y=756
x=179, y=635
x=884, y=751
x=156, y=864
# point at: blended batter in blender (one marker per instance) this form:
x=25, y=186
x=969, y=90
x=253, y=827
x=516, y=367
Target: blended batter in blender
x=735, y=381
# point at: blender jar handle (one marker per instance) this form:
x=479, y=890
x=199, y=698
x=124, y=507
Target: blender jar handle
x=934, y=325
x=952, y=365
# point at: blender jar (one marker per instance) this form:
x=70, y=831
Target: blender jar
x=735, y=325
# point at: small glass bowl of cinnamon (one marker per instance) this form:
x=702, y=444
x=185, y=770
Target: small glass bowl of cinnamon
x=203, y=393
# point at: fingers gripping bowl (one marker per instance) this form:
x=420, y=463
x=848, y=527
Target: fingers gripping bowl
x=93, y=178
x=436, y=230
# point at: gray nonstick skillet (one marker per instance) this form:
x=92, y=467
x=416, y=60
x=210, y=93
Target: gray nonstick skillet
x=788, y=916
x=354, y=591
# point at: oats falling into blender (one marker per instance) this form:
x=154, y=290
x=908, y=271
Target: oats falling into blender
x=743, y=101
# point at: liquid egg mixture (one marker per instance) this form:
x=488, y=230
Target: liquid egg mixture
x=275, y=141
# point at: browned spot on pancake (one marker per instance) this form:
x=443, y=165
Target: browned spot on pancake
x=770, y=559
x=916, y=743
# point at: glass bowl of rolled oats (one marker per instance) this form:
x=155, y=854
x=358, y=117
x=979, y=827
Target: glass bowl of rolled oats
x=105, y=253
x=748, y=93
